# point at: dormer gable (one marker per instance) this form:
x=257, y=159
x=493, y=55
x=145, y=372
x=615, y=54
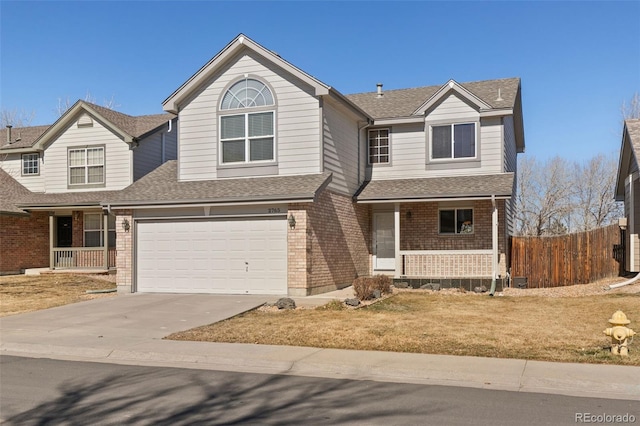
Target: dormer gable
x=445, y=91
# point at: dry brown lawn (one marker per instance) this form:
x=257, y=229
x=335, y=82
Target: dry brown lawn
x=551, y=328
x=21, y=293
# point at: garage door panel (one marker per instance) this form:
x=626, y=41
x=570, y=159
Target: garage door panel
x=209, y=256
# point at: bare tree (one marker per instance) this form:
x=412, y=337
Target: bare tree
x=16, y=118
x=632, y=108
x=543, y=199
x=594, y=197
x=65, y=103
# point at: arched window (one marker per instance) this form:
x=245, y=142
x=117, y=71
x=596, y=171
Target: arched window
x=247, y=131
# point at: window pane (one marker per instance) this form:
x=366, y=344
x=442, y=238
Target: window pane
x=261, y=149
x=261, y=124
x=76, y=175
x=112, y=238
x=95, y=156
x=447, y=221
x=92, y=222
x=76, y=158
x=232, y=151
x=441, y=142
x=232, y=127
x=464, y=140
x=245, y=94
x=95, y=174
x=30, y=164
x=465, y=221
x=92, y=239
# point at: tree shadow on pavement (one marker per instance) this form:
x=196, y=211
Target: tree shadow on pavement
x=170, y=396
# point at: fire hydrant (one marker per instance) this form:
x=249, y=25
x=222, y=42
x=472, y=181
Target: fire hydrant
x=619, y=333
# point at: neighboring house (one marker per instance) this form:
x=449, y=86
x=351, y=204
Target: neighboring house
x=55, y=177
x=283, y=185
x=628, y=191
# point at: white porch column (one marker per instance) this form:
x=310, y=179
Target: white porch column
x=105, y=239
x=52, y=234
x=396, y=236
x=494, y=244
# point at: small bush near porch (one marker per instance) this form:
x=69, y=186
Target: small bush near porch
x=27, y=293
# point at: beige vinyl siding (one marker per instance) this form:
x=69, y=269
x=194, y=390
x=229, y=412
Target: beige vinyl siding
x=409, y=153
x=297, y=121
x=340, y=152
x=491, y=145
x=12, y=164
x=510, y=152
x=148, y=155
x=453, y=109
x=117, y=158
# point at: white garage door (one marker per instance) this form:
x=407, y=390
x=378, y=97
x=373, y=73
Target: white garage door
x=233, y=256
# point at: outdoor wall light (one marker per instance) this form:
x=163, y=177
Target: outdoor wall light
x=126, y=225
x=292, y=221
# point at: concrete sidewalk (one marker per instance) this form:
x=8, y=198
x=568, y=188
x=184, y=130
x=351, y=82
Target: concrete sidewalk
x=129, y=330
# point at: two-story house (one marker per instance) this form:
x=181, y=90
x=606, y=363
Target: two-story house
x=283, y=185
x=55, y=177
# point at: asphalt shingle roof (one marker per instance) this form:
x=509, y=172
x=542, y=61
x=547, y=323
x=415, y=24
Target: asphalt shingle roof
x=12, y=192
x=134, y=126
x=500, y=185
x=633, y=129
x=162, y=185
x=403, y=102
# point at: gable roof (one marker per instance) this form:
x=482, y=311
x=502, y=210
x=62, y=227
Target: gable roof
x=402, y=103
x=449, y=187
x=161, y=187
x=236, y=45
x=629, y=154
x=12, y=192
x=128, y=127
x=489, y=95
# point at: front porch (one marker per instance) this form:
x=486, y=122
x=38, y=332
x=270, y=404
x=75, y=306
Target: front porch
x=81, y=240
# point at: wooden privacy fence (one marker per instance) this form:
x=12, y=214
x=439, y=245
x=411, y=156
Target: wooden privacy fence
x=570, y=259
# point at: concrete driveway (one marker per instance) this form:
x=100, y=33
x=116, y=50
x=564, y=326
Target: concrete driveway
x=123, y=321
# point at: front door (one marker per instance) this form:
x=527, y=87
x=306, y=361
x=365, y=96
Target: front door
x=64, y=231
x=384, y=241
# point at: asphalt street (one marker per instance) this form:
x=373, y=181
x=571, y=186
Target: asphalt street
x=41, y=391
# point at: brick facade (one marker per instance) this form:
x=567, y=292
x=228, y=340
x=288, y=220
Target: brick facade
x=24, y=242
x=124, y=249
x=419, y=231
x=330, y=245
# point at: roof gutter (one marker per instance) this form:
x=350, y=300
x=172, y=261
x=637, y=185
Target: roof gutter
x=434, y=199
x=221, y=203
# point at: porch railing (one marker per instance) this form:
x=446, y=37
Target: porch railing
x=446, y=263
x=82, y=258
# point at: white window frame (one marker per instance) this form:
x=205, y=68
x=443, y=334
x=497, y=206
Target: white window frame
x=453, y=142
x=266, y=104
x=30, y=165
x=378, y=155
x=455, y=220
x=247, y=139
x=86, y=166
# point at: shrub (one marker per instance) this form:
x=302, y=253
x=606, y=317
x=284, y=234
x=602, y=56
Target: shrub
x=365, y=288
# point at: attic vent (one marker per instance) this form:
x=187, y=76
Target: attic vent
x=499, y=98
x=85, y=121
x=380, y=94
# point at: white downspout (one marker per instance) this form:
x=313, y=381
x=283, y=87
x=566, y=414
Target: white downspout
x=396, y=238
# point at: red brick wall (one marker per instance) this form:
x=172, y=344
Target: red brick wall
x=420, y=232
x=330, y=245
x=24, y=242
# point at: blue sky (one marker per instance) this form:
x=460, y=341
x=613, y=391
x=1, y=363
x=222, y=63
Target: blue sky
x=578, y=61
